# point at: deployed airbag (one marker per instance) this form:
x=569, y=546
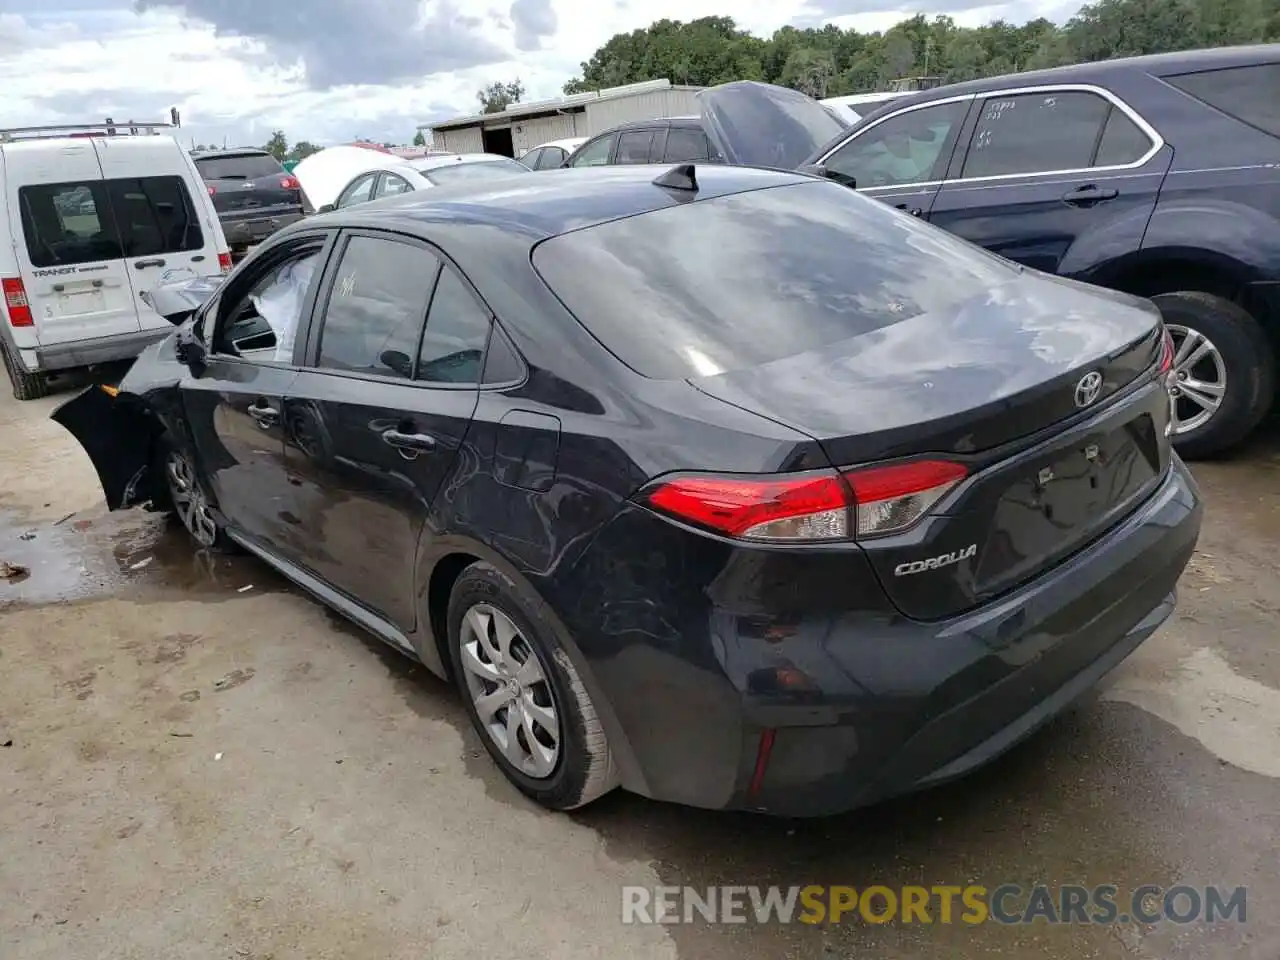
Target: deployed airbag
x=280, y=303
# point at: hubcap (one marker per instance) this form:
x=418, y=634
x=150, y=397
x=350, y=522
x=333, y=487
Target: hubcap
x=1198, y=380
x=510, y=690
x=189, y=500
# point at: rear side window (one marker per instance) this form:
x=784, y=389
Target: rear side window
x=552, y=157
x=457, y=329
x=1251, y=94
x=1036, y=133
x=242, y=167
x=633, y=146
x=376, y=307
x=685, y=144
x=1123, y=141
x=742, y=280
x=64, y=224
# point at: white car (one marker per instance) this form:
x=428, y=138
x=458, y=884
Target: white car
x=551, y=155
x=392, y=178
x=92, y=217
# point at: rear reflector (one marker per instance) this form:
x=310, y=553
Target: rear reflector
x=891, y=498
x=15, y=302
x=808, y=507
x=224, y=261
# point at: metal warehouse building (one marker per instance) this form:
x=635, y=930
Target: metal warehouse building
x=525, y=125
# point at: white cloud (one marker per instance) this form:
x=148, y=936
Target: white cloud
x=80, y=60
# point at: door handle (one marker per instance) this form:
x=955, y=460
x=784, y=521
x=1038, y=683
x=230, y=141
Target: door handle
x=265, y=415
x=914, y=211
x=412, y=442
x=153, y=262
x=1088, y=195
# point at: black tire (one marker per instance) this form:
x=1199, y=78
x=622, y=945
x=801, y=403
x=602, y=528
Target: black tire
x=208, y=532
x=26, y=386
x=585, y=768
x=1248, y=359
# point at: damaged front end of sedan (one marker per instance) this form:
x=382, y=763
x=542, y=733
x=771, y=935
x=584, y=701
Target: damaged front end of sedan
x=123, y=427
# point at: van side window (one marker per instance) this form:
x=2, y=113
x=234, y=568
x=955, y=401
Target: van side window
x=68, y=223
x=64, y=224
x=154, y=215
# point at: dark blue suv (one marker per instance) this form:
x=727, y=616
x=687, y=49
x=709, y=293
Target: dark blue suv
x=1158, y=176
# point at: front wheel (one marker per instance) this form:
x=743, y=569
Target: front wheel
x=1224, y=369
x=186, y=497
x=523, y=694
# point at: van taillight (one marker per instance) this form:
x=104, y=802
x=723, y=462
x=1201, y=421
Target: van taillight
x=224, y=261
x=15, y=302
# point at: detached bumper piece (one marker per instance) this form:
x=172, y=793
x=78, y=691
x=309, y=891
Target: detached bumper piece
x=119, y=435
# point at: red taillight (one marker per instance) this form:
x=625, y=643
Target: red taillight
x=1166, y=351
x=211, y=188
x=811, y=506
x=891, y=498
x=289, y=183
x=224, y=261
x=15, y=302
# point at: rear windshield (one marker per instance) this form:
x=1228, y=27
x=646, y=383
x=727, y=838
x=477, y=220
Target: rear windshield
x=249, y=166
x=68, y=223
x=738, y=281
x=475, y=170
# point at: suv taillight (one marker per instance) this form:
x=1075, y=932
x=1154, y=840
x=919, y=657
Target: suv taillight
x=820, y=505
x=15, y=302
x=290, y=183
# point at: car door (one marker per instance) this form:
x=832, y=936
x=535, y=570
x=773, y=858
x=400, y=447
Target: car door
x=1056, y=178
x=595, y=153
x=901, y=158
x=234, y=407
x=379, y=412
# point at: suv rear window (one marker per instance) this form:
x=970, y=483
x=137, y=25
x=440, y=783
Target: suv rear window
x=1251, y=94
x=742, y=280
x=244, y=166
x=69, y=223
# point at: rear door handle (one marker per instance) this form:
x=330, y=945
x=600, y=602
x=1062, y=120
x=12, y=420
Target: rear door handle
x=1088, y=195
x=153, y=262
x=264, y=414
x=408, y=441
x=914, y=211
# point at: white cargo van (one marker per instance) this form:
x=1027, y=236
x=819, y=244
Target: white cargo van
x=90, y=218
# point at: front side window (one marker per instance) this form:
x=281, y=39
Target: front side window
x=1251, y=94
x=376, y=306
x=633, y=146
x=457, y=330
x=899, y=151
x=1036, y=133
x=358, y=192
x=596, y=153
x=262, y=323
x=531, y=158
x=685, y=144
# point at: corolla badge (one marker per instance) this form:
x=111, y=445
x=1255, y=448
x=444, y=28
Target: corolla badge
x=1088, y=389
x=936, y=563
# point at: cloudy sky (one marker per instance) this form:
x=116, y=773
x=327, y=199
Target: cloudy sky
x=333, y=70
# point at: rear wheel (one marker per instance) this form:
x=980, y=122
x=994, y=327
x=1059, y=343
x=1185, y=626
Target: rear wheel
x=26, y=385
x=1224, y=368
x=188, y=500
x=523, y=694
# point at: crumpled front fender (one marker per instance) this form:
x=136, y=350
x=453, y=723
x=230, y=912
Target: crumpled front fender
x=119, y=433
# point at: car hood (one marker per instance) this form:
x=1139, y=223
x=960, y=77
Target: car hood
x=762, y=125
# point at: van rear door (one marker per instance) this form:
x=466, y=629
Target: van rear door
x=65, y=239
x=167, y=226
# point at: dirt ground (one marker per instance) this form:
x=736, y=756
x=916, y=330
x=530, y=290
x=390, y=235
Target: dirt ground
x=200, y=762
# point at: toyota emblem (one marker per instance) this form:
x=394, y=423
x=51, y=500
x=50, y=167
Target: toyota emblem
x=1088, y=388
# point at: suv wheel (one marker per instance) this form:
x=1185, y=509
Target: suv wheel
x=523, y=694
x=1224, y=368
x=26, y=386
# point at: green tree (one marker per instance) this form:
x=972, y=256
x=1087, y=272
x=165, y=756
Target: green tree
x=277, y=145
x=419, y=140
x=301, y=150
x=497, y=96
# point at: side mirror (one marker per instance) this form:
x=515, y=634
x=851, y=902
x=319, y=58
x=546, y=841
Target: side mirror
x=190, y=349
x=327, y=208
x=820, y=170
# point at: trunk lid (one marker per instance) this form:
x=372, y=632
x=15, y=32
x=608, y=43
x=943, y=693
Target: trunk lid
x=249, y=184
x=1033, y=385
x=762, y=125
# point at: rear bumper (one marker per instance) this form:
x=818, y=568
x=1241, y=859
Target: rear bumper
x=861, y=703
x=84, y=353
x=246, y=228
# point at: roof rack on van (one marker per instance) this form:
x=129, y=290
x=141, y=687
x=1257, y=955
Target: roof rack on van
x=107, y=128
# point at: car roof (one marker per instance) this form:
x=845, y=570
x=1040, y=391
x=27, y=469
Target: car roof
x=555, y=201
x=1156, y=64
x=653, y=121
x=568, y=143
x=443, y=160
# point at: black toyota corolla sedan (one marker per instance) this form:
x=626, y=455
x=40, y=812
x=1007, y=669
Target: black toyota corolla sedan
x=726, y=485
